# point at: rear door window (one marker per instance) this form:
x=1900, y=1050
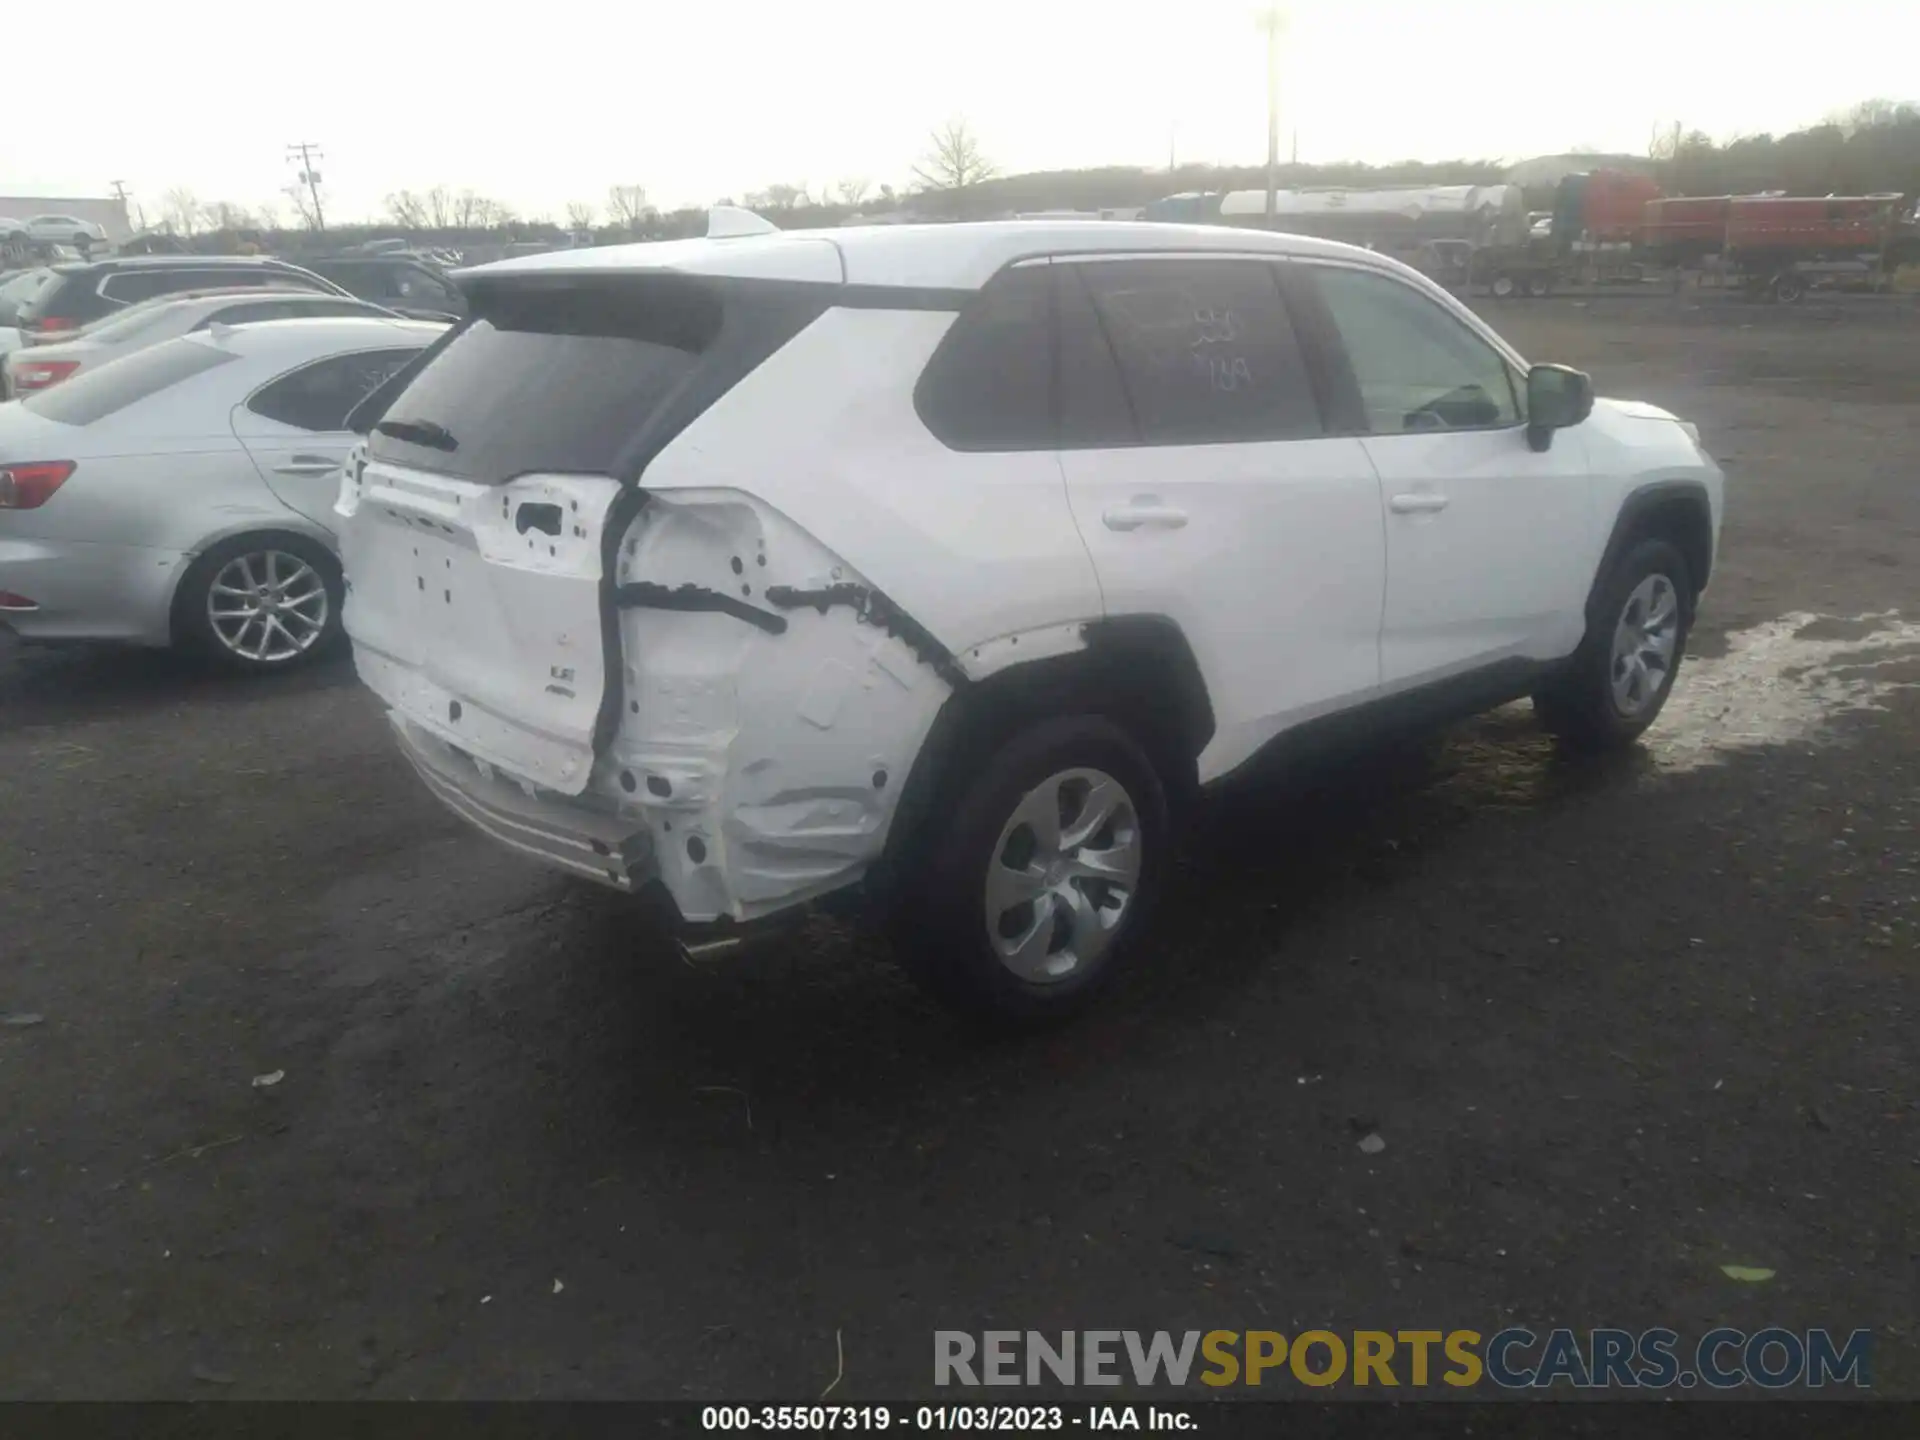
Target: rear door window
x=552, y=379
x=97, y=393
x=318, y=396
x=1205, y=348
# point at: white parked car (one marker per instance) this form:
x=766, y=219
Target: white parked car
x=183, y=495
x=11, y=229
x=951, y=561
x=139, y=326
x=65, y=230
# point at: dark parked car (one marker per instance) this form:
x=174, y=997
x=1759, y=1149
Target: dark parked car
x=80, y=294
x=400, y=282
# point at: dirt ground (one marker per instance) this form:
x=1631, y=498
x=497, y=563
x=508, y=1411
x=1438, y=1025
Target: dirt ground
x=1616, y=1026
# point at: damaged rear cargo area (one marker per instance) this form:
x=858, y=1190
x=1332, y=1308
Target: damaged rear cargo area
x=764, y=756
x=628, y=684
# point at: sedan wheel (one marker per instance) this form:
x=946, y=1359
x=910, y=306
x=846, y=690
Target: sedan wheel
x=268, y=607
x=262, y=603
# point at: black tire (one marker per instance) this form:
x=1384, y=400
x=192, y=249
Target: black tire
x=1539, y=286
x=1580, y=706
x=939, y=917
x=1503, y=287
x=1789, y=289
x=193, y=627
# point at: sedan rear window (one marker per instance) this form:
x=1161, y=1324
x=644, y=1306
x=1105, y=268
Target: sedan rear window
x=550, y=379
x=95, y=394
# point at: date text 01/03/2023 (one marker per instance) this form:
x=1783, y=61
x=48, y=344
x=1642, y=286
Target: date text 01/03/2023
x=1011, y=1418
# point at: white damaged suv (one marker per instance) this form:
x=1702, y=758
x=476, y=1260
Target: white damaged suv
x=947, y=562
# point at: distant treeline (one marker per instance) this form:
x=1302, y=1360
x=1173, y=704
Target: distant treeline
x=1873, y=148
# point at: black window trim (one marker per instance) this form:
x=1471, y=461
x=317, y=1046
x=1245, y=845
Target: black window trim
x=1336, y=394
x=247, y=401
x=1339, y=363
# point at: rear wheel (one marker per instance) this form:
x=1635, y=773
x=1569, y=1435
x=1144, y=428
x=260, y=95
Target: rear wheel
x=261, y=603
x=1617, y=681
x=1033, y=899
x=1540, y=286
x=1789, y=288
x=1503, y=286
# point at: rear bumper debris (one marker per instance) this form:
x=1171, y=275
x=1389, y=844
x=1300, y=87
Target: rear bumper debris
x=614, y=851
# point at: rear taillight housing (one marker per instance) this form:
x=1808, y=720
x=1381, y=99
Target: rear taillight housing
x=29, y=486
x=50, y=325
x=26, y=375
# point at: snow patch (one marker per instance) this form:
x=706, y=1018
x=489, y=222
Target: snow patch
x=1782, y=682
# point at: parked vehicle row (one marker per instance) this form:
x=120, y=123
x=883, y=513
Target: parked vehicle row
x=183, y=494
x=150, y=322
x=941, y=566
x=73, y=296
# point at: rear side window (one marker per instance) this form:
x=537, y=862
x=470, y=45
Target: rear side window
x=990, y=384
x=1205, y=350
x=17, y=291
x=553, y=379
x=95, y=394
x=66, y=296
x=318, y=396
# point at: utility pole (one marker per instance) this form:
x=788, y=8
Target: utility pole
x=120, y=193
x=1273, y=21
x=308, y=152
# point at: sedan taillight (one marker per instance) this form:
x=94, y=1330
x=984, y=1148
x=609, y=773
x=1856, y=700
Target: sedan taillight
x=25, y=375
x=29, y=486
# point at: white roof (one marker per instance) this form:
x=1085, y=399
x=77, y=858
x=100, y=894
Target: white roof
x=944, y=257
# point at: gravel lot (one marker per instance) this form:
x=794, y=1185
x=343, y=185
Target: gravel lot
x=1617, y=1026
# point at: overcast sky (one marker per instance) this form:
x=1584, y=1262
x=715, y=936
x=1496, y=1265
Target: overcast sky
x=541, y=104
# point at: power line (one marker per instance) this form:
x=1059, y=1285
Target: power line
x=309, y=151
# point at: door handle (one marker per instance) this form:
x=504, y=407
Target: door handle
x=1142, y=513
x=1422, y=503
x=308, y=465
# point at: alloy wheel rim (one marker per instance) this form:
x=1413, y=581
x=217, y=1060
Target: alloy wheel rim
x=1062, y=876
x=1645, y=641
x=268, y=607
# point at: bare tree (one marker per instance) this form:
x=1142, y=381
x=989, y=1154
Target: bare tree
x=301, y=199
x=954, y=159
x=1870, y=114
x=627, y=205
x=225, y=215
x=440, y=208
x=581, y=215
x=407, y=210
x=852, y=190
x=779, y=197
x=181, y=212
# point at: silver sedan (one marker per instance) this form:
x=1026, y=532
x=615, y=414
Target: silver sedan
x=183, y=495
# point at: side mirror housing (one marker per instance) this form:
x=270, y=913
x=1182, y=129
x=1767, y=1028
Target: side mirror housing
x=1557, y=396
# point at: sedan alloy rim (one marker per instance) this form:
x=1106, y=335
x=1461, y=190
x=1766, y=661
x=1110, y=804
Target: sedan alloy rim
x=1061, y=880
x=268, y=607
